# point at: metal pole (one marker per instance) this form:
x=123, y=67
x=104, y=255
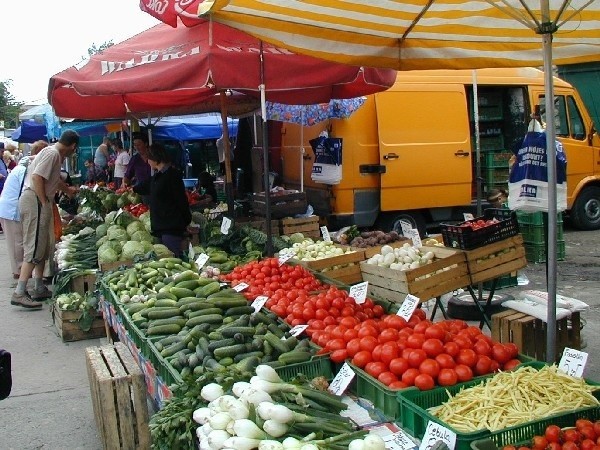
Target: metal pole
x=265, y=148
x=227, y=161
x=302, y=150
x=477, y=143
x=551, y=156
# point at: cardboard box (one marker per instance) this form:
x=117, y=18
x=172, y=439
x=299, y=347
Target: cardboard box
x=118, y=397
x=446, y=273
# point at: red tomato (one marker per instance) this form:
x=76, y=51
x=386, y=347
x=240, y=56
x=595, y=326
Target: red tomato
x=348, y=322
x=339, y=356
x=378, y=310
x=430, y=367
x=464, y=373
x=389, y=351
x=368, y=342
x=362, y=358
x=597, y=427
x=467, y=356
x=435, y=331
x=375, y=368
x=483, y=365
x=376, y=353
x=451, y=348
x=500, y=353
x=583, y=423
x=587, y=444
x=336, y=344
x=368, y=330
x=570, y=445
x=422, y=326
x=408, y=377
x=512, y=349
x=353, y=347
x=395, y=321
x=350, y=334
x=387, y=378
x=398, y=366
x=445, y=361
x=433, y=347
x=539, y=443
x=587, y=432
x=481, y=347
x=415, y=340
x=424, y=382
x=463, y=342
x=572, y=435
x=416, y=357
x=511, y=364
x=447, y=377
x=398, y=385
x=554, y=446
x=387, y=335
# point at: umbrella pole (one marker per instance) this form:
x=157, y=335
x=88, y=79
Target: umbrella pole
x=552, y=207
x=478, y=187
x=302, y=151
x=226, y=143
x=265, y=149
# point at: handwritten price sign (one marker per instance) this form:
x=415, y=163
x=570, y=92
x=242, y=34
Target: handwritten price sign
x=408, y=307
x=259, y=302
x=342, y=380
x=225, y=225
x=399, y=441
x=573, y=362
x=359, y=292
x=406, y=227
x=434, y=433
x=413, y=234
x=325, y=233
x=285, y=258
x=201, y=260
x=240, y=287
x=297, y=330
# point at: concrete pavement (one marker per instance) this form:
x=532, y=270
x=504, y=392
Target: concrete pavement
x=50, y=406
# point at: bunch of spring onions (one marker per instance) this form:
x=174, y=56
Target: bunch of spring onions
x=270, y=414
x=77, y=250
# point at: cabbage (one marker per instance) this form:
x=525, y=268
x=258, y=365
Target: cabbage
x=141, y=236
x=131, y=249
x=162, y=251
x=135, y=226
x=148, y=247
x=117, y=233
x=125, y=219
x=101, y=230
x=107, y=255
x=101, y=241
x=110, y=218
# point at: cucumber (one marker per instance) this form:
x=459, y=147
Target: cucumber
x=190, y=284
x=165, y=302
x=186, y=275
x=239, y=310
x=169, y=321
x=193, y=361
x=227, y=292
x=226, y=342
x=132, y=308
x=229, y=351
x=275, y=342
x=273, y=328
x=163, y=329
x=208, y=318
x=185, y=372
x=241, y=356
x=163, y=295
x=181, y=292
x=186, y=300
x=169, y=340
x=262, y=317
x=248, y=364
x=291, y=343
x=228, y=302
x=206, y=311
x=163, y=313
x=172, y=349
x=209, y=289
x=294, y=357
x=198, y=305
x=245, y=331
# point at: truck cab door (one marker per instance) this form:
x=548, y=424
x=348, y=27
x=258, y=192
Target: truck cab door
x=424, y=146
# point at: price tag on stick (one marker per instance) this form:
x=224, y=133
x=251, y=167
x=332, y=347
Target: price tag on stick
x=342, y=380
x=296, y=331
x=413, y=234
x=573, y=362
x=408, y=307
x=359, y=292
x=201, y=260
x=325, y=233
x=399, y=441
x=286, y=257
x=435, y=433
x=240, y=287
x=190, y=251
x=225, y=225
x=406, y=227
x=259, y=302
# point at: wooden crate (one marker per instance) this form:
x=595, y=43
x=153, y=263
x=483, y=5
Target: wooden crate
x=349, y=273
x=372, y=251
x=83, y=284
x=105, y=267
x=67, y=325
x=118, y=396
x=283, y=203
x=483, y=268
x=529, y=333
x=260, y=223
x=308, y=226
x=424, y=282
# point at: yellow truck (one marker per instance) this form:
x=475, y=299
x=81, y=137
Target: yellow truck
x=409, y=153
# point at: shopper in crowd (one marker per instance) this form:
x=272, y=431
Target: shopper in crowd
x=208, y=193
x=102, y=153
x=138, y=170
x=93, y=174
x=498, y=198
x=3, y=175
x=8, y=159
x=9, y=209
x=121, y=162
x=169, y=209
x=35, y=206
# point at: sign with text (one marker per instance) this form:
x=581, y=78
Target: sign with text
x=434, y=433
x=359, y=292
x=406, y=227
x=325, y=233
x=296, y=331
x=573, y=362
x=413, y=234
x=408, y=307
x=398, y=441
x=225, y=225
x=286, y=257
x=342, y=380
x=201, y=260
x=240, y=287
x=468, y=216
x=259, y=302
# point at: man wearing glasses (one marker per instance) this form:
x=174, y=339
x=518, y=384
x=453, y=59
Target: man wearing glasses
x=42, y=181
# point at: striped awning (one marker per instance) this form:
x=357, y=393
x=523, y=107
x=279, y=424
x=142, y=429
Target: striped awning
x=420, y=34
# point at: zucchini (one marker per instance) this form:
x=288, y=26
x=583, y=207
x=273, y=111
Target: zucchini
x=165, y=313
x=294, y=357
x=207, y=318
x=229, y=351
x=163, y=329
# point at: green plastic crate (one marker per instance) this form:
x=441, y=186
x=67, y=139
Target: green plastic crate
x=415, y=417
x=383, y=398
x=536, y=252
x=535, y=218
x=316, y=367
x=537, y=233
x=489, y=143
x=168, y=374
x=495, y=175
x=136, y=335
x=495, y=159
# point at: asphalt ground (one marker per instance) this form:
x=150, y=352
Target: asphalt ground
x=50, y=407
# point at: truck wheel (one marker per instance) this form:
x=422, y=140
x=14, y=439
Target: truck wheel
x=391, y=222
x=585, y=213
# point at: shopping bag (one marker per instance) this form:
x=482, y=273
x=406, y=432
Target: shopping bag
x=327, y=168
x=5, y=374
x=528, y=180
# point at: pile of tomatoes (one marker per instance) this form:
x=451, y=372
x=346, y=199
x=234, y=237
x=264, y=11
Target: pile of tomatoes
x=397, y=352
x=584, y=436
x=136, y=210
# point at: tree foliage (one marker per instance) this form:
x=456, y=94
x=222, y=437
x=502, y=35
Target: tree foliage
x=9, y=107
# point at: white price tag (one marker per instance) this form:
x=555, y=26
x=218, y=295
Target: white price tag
x=190, y=252
x=84, y=201
x=468, y=216
x=408, y=307
x=201, y=260
x=325, y=233
x=95, y=188
x=341, y=381
x=434, y=433
x=413, y=234
x=406, y=227
x=240, y=287
x=359, y=292
x=398, y=441
x=286, y=257
x=119, y=212
x=225, y=225
x=297, y=330
x=573, y=362
x=259, y=302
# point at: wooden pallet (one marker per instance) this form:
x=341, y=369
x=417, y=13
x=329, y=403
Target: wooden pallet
x=67, y=325
x=83, y=284
x=119, y=397
x=497, y=259
x=446, y=273
x=529, y=333
x=308, y=226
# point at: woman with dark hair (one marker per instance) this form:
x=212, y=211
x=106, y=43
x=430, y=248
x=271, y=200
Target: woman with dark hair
x=169, y=209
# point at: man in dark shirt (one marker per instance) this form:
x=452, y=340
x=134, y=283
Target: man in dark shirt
x=138, y=169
